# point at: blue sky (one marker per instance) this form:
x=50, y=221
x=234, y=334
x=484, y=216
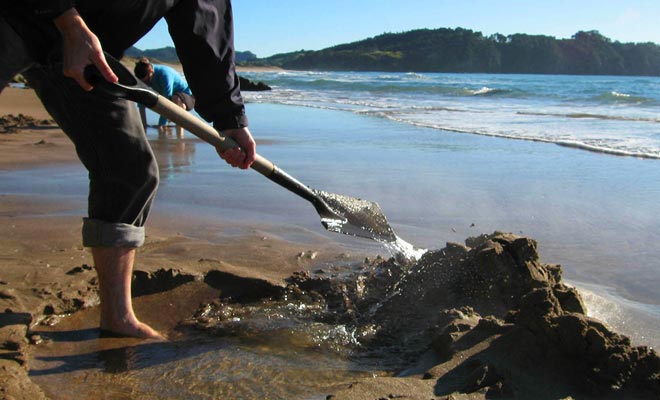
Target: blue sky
x=267, y=27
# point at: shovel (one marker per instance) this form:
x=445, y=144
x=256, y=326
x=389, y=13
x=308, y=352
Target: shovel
x=339, y=213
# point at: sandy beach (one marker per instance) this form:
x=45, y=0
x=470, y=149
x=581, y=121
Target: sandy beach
x=509, y=327
x=40, y=250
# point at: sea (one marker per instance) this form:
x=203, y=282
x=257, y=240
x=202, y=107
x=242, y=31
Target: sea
x=572, y=162
x=614, y=115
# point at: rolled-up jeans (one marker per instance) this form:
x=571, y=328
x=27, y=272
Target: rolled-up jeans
x=112, y=144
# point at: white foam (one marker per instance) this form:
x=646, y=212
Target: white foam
x=638, y=321
x=483, y=90
x=617, y=94
x=401, y=248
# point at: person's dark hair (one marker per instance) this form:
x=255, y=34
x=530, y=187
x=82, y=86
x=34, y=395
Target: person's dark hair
x=142, y=67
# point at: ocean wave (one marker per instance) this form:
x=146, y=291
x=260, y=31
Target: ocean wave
x=416, y=75
x=591, y=116
x=395, y=115
x=389, y=84
x=602, y=148
x=486, y=91
x=440, y=108
x=607, y=150
x=392, y=111
x=555, y=109
x=616, y=97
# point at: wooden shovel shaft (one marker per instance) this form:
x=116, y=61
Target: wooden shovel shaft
x=207, y=133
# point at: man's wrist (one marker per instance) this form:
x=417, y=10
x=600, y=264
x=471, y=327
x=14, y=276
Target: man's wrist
x=68, y=21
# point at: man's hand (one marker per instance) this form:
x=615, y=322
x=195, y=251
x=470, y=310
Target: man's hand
x=242, y=157
x=81, y=47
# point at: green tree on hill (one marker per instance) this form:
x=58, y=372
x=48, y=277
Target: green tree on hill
x=464, y=50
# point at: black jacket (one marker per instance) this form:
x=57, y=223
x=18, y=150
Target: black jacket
x=202, y=31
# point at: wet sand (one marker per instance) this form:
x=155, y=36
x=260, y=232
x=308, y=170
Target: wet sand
x=45, y=271
x=46, y=276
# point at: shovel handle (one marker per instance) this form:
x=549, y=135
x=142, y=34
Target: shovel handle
x=130, y=88
x=206, y=132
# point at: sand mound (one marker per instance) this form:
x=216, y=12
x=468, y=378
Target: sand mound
x=486, y=320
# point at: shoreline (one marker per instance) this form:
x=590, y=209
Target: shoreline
x=255, y=68
x=129, y=62
x=565, y=143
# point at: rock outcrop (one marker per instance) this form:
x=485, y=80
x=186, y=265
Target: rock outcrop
x=250, y=86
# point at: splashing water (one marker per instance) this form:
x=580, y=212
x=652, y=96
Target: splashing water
x=402, y=249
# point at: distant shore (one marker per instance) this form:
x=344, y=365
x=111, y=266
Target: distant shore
x=130, y=63
x=256, y=68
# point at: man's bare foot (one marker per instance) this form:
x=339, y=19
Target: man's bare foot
x=114, y=266
x=139, y=330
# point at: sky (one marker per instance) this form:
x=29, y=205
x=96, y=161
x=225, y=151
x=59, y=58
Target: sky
x=267, y=27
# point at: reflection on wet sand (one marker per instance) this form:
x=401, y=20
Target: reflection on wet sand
x=109, y=357
x=169, y=131
x=173, y=151
x=193, y=364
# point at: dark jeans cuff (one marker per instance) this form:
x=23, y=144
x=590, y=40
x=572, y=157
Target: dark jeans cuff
x=97, y=233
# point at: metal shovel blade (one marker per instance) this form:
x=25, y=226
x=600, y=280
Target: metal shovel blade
x=356, y=217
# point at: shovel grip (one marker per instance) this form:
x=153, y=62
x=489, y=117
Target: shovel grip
x=206, y=132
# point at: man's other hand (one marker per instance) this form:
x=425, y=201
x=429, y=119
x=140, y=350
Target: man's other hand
x=242, y=157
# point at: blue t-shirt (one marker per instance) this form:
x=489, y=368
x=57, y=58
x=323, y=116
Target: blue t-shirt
x=167, y=81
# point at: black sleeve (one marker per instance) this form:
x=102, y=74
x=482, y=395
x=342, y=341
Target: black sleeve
x=203, y=34
x=50, y=8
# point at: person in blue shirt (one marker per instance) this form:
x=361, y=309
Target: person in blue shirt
x=169, y=84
